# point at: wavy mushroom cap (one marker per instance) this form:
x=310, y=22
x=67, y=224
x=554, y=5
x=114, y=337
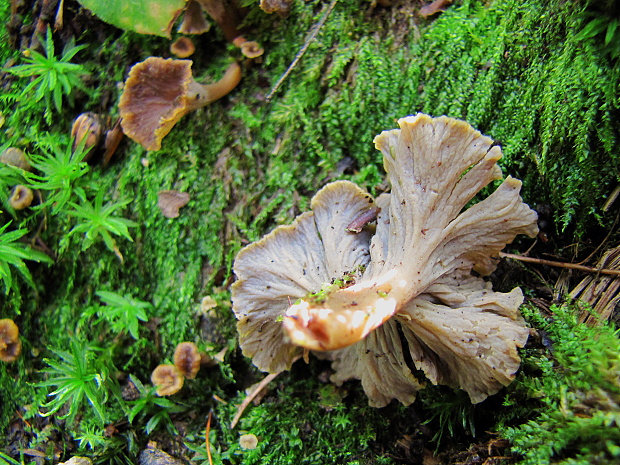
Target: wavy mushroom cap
x=154, y=99
x=10, y=345
x=168, y=379
x=159, y=92
x=405, y=290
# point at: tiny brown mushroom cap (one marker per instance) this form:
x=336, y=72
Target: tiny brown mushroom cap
x=248, y=441
x=251, y=49
x=183, y=47
x=158, y=92
x=282, y=7
x=10, y=345
x=168, y=379
x=13, y=156
x=21, y=197
x=187, y=359
x=88, y=130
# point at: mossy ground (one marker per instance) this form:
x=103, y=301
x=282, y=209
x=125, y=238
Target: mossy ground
x=513, y=69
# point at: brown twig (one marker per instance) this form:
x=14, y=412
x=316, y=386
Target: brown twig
x=303, y=50
x=208, y=444
x=23, y=419
x=572, y=266
x=250, y=397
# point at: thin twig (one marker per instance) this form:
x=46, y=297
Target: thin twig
x=303, y=50
x=207, y=438
x=60, y=16
x=250, y=397
x=23, y=419
x=572, y=266
x=219, y=399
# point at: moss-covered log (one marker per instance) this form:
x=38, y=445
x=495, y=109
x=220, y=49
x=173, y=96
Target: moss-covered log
x=520, y=71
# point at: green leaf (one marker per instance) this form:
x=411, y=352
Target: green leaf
x=52, y=77
x=71, y=53
x=141, y=16
x=611, y=31
x=13, y=252
x=84, y=372
x=592, y=29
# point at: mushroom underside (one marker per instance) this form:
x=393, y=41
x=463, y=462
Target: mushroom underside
x=399, y=297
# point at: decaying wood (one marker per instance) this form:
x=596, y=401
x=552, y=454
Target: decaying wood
x=600, y=292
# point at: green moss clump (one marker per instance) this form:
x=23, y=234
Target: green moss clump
x=308, y=423
x=518, y=72
x=575, y=383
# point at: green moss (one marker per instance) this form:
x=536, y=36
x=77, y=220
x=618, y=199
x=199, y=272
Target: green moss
x=517, y=72
x=576, y=384
x=293, y=424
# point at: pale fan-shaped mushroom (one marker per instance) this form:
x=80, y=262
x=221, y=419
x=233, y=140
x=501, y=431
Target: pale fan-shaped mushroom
x=318, y=285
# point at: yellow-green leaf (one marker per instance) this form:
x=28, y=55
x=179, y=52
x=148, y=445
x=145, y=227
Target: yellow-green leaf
x=141, y=16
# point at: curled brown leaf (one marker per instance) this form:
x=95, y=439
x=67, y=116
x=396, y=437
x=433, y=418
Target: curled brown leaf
x=171, y=201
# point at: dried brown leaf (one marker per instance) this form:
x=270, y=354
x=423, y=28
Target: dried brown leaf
x=171, y=201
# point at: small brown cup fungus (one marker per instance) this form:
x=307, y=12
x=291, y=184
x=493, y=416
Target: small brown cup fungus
x=183, y=47
x=158, y=92
x=21, y=197
x=187, y=359
x=249, y=48
x=10, y=345
x=168, y=379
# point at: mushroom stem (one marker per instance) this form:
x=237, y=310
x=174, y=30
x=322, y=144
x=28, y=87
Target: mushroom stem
x=225, y=15
x=199, y=95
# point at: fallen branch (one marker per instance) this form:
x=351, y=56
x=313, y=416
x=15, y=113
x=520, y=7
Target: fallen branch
x=572, y=266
